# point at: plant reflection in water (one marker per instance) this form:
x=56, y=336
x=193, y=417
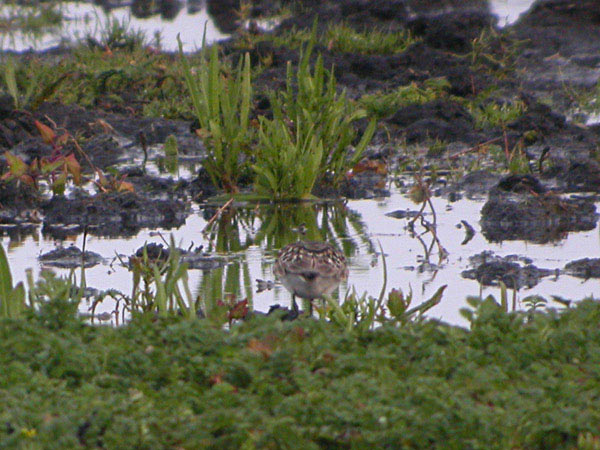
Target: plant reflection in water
x=271, y=227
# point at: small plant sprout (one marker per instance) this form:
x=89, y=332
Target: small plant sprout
x=12, y=298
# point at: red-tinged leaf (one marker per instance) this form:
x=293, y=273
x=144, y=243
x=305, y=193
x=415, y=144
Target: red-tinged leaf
x=62, y=140
x=101, y=178
x=49, y=167
x=28, y=180
x=125, y=186
x=34, y=167
x=74, y=168
x=17, y=165
x=48, y=134
x=260, y=347
x=239, y=310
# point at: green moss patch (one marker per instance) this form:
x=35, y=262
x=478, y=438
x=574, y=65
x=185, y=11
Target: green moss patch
x=511, y=381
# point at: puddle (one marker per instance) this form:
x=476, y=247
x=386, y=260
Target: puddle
x=508, y=11
x=186, y=19
x=248, y=239
x=84, y=19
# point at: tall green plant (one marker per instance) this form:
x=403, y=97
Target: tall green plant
x=287, y=165
x=12, y=299
x=221, y=99
x=165, y=288
x=311, y=101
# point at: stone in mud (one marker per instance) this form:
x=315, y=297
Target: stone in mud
x=452, y=30
x=519, y=208
x=561, y=40
x=584, y=268
x=403, y=214
x=70, y=258
x=195, y=258
x=443, y=120
x=490, y=269
x=478, y=182
x=112, y=214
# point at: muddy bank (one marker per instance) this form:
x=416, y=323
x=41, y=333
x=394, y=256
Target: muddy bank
x=488, y=71
x=520, y=207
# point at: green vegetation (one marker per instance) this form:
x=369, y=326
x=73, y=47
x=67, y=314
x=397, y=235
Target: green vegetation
x=321, y=116
x=381, y=104
x=102, y=77
x=288, y=159
x=12, y=298
x=338, y=37
x=222, y=106
x=493, y=114
x=512, y=380
x=343, y=38
x=287, y=165
x=156, y=285
x=29, y=19
x=495, y=53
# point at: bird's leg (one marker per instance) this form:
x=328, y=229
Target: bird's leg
x=294, y=305
x=310, y=307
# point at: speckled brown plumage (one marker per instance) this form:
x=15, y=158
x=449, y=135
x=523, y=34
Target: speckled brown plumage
x=310, y=269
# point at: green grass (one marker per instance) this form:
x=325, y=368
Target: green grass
x=510, y=381
x=321, y=114
x=493, y=114
x=222, y=97
x=95, y=77
x=339, y=38
x=29, y=19
x=343, y=38
x=381, y=104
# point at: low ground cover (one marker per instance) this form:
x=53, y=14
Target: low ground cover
x=513, y=380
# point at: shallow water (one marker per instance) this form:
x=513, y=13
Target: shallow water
x=85, y=19
x=249, y=238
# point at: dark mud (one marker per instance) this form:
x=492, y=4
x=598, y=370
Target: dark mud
x=514, y=271
x=519, y=207
x=70, y=258
x=584, y=268
x=194, y=258
x=112, y=214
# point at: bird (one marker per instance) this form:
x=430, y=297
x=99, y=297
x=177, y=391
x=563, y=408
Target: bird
x=310, y=269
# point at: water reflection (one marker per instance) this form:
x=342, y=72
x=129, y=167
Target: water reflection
x=259, y=231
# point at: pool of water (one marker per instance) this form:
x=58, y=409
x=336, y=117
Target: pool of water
x=249, y=237
x=186, y=19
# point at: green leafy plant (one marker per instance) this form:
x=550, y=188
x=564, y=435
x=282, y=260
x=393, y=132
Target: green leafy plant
x=360, y=314
x=311, y=102
x=171, y=157
x=156, y=284
x=221, y=98
x=343, y=38
x=55, y=300
x=55, y=169
x=287, y=165
x=381, y=104
x=12, y=298
x=492, y=114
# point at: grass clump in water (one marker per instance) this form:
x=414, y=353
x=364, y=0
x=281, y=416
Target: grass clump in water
x=383, y=104
x=222, y=103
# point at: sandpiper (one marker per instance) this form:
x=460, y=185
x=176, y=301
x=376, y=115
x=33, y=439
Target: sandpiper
x=310, y=269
